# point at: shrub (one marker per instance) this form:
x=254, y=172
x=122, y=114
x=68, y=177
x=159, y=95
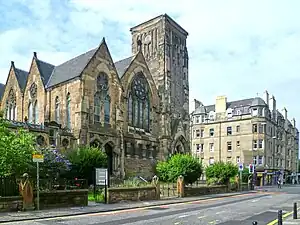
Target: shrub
x=221, y=172
x=186, y=165
x=84, y=160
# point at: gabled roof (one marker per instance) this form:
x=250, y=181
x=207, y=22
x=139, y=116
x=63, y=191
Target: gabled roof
x=70, y=69
x=21, y=77
x=122, y=65
x=45, y=69
x=2, y=87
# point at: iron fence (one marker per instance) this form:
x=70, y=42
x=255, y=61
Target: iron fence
x=8, y=187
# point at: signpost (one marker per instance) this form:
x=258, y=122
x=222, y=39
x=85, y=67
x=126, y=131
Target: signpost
x=241, y=168
x=38, y=158
x=102, y=180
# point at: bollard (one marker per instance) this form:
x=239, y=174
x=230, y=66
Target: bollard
x=279, y=217
x=295, y=211
x=254, y=223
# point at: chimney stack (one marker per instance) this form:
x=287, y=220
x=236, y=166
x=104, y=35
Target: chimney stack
x=267, y=97
x=34, y=55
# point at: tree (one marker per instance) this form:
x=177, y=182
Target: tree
x=16, y=148
x=220, y=172
x=186, y=165
x=84, y=160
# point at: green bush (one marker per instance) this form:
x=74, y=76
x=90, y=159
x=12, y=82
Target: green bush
x=85, y=160
x=245, y=175
x=221, y=172
x=186, y=165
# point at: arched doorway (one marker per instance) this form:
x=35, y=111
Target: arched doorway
x=110, y=157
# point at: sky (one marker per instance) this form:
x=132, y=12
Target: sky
x=237, y=48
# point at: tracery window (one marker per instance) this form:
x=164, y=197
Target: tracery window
x=57, y=109
x=68, y=109
x=35, y=112
x=11, y=112
x=102, y=99
x=139, y=103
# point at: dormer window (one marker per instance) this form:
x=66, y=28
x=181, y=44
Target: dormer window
x=254, y=112
x=229, y=113
x=197, y=119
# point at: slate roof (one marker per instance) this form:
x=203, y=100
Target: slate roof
x=45, y=69
x=233, y=104
x=70, y=69
x=21, y=77
x=2, y=87
x=258, y=102
x=122, y=65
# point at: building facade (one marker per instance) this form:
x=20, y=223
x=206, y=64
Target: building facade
x=248, y=131
x=135, y=109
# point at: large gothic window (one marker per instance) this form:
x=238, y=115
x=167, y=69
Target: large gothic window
x=57, y=109
x=102, y=99
x=139, y=103
x=68, y=109
x=11, y=112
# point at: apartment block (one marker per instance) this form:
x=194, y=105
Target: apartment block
x=248, y=131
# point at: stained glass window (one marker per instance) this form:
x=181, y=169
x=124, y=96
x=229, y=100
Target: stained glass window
x=35, y=112
x=107, y=109
x=57, y=110
x=30, y=109
x=139, y=101
x=130, y=109
x=68, y=108
x=11, y=113
x=97, y=107
x=102, y=99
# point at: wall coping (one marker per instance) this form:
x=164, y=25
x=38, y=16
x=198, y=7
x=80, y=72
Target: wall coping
x=63, y=191
x=124, y=189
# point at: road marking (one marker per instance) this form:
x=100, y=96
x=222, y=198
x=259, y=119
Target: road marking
x=182, y=216
x=283, y=216
x=211, y=222
x=176, y=223
x=136, y=209
x=201, y=217
x=220, y=212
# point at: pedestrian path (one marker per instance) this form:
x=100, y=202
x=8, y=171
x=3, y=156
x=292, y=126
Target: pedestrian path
x=96, y=208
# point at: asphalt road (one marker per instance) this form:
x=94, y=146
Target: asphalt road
x=243, y=209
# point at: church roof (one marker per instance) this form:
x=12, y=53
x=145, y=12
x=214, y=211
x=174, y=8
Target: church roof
x=45, y=69
x=122, y=65
x=21, y=77
x=70, y=69
x=2, y=87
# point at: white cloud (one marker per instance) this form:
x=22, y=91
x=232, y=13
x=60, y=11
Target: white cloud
x=236, y=47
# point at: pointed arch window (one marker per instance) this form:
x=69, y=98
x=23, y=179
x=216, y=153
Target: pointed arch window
x=35, y=112
x=30, y=112
x=97, y=107
x=68, y=109
x=11, y=107
x=57, y=109
x=102, y=99
x=139, y=103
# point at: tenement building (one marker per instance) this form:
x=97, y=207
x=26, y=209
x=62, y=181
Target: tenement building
x=135, y=109
x=248, y=131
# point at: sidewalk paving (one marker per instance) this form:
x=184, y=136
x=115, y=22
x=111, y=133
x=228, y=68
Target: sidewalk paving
x=98, y=207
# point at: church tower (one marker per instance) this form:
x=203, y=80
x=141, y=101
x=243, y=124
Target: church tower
x=163, y=44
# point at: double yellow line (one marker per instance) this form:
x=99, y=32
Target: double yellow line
x=283, y=216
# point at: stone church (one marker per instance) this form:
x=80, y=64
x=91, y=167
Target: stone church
x=135, y=109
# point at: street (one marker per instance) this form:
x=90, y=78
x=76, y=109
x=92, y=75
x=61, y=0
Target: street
x=240, y=209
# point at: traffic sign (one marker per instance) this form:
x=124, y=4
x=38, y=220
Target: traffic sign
x=38, y=158
x=241, y=166
x=101, y=177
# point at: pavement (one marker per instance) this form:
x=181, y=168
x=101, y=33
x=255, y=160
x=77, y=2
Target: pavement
x=237, y=209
